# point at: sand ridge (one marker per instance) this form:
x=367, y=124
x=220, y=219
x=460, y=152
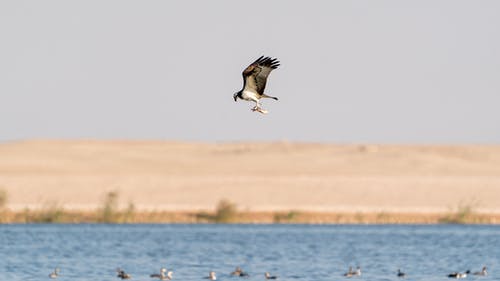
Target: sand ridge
x=168, y=175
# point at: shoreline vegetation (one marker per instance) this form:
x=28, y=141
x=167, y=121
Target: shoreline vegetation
x=148, y=181
x=227, y=212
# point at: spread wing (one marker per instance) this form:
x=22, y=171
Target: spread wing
x=255, y=75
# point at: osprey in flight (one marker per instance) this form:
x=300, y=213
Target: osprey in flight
x=254, y=81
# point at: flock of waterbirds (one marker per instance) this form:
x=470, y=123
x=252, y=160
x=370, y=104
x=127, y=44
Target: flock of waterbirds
x=401, y=274
x=457, y=275
x=168, y=274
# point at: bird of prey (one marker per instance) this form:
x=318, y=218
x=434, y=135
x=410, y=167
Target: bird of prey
x=254, y=81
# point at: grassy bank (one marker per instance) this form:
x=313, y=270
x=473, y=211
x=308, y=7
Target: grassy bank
x=61, y=216
x=227, y=212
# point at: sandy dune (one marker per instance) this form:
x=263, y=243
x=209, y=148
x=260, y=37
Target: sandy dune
x=257, y=176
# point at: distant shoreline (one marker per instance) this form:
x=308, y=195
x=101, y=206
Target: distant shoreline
x=288, y=217
x=287, y=182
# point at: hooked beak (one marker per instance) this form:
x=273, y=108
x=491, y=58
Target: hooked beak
x=235, y=96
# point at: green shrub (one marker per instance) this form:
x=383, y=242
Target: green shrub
x=285, y=217
x=50, y=213
x=463, y=213
x=203, y=216
x=129, y=214
x=109, y=210
x=225, y=212
x=359, y=217
x=3, y=199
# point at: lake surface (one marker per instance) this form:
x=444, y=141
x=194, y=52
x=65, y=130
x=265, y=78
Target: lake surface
x=293, y=252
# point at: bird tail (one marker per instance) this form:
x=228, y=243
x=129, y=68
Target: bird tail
x=266, y=96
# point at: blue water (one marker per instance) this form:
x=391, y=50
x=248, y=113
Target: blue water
x=293, y=252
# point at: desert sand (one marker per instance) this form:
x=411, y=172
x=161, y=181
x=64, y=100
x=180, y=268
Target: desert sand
x=166, y=175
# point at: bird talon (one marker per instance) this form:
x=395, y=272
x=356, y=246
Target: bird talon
x=263, y=111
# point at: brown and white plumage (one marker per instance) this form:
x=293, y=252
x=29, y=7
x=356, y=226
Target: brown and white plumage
x=483, y=272
x=269, y=276
x=54, y=274
x=164, y=274
x=122, y=274
x=254, y=81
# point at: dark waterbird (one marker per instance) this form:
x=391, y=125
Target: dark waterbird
x=458, y=275
x=239, y=272
x=120, y=273
x=269, y=276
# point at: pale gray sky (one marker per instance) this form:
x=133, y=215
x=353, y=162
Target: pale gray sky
x=352, y=71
